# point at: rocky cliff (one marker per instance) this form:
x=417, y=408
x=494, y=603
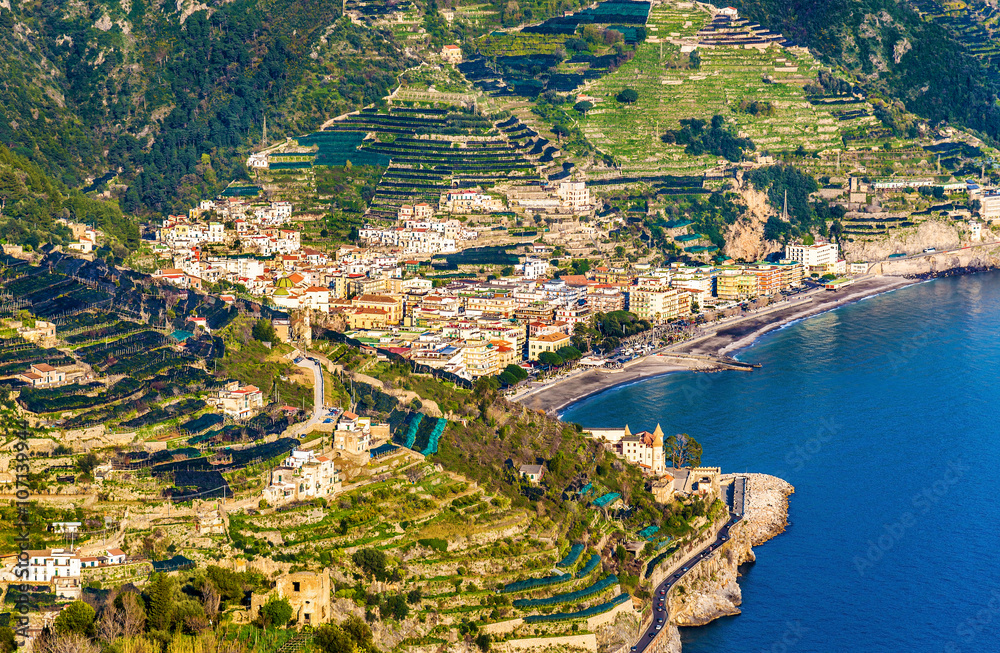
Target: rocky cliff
x=710, y=590
x=940, y=234
x=974, y=258
x=745, y=238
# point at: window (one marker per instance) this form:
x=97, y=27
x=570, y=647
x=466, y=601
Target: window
x=307, y=615
x=295, y=587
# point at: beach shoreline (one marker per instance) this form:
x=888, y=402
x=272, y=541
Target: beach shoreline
x=708, y=352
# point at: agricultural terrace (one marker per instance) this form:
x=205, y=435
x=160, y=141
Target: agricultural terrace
x=671, y=88
x=137, y=367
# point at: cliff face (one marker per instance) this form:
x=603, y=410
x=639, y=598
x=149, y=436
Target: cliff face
x=939, y=234
x=974, y=257
x=710, y=590
x=745, y=237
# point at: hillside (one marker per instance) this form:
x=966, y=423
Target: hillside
x=167, y=96
x=936, y=61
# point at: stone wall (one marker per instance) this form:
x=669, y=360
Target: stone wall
x=586, y=642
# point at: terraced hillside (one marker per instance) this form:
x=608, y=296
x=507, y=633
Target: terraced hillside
x=739, y=63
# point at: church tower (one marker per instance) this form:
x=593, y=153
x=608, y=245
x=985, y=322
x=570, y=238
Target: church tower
x=658, y=466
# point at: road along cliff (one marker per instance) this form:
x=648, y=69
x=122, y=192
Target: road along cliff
x=710, y=590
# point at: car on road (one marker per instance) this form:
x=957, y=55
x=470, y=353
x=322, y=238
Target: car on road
x=659, y=626
x=929, y=250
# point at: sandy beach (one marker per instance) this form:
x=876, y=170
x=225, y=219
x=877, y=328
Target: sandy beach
x=703, y=351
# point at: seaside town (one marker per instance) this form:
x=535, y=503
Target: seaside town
x=299, y=375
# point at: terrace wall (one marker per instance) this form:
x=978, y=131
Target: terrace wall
x=588, y=642
x=608, y=617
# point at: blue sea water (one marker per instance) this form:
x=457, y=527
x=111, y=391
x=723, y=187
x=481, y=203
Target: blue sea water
x=885, y=416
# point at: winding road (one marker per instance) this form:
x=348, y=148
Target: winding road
x=660, y=618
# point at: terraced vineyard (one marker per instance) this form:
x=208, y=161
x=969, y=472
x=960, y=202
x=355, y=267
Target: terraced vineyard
x=739, y=61
x=431, y=150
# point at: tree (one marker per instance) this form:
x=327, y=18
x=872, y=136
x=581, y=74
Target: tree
x=560, y=131
x=516, y=371
x=694, y=59
x=358, y=630
x=264, y=331
x=583, y=106
x=276, y=612
x=628, y=96
x=333, y=639
x=550, y=358
x=371, y=561
x=77, y=617
x=569, y=354
x=67, y=643
x=161, y=602
x=483, y=641
x=7, y=642
x=87, y=462
x=683, y=451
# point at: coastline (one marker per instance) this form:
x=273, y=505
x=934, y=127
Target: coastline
x=705, y=352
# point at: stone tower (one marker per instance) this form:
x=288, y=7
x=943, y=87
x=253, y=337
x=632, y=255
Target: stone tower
x=658, y=466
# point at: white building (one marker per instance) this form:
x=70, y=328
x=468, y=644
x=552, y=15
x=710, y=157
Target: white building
x=575, y=196
x=813, y=256
x=48, y=564
x=534, y=268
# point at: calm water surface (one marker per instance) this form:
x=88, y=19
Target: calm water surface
x=885, y=416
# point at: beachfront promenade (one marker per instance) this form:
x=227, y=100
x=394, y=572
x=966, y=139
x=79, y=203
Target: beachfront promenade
x=705, y=351
x=650, y=638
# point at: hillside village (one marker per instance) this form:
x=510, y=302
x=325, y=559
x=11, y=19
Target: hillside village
x=293, y=418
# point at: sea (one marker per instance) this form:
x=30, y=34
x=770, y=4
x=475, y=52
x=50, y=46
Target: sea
x=885, y=416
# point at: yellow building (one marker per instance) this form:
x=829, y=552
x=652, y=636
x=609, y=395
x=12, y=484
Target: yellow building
x=480, y=358
x=734, y=286
x=659, y=304
x=366, y=318
x=392, y=305
x=549, y=342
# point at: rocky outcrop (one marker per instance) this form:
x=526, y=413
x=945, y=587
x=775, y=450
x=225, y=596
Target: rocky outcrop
x=940, y=234
x=745, y=238
x=710, y=590
x=967, y=260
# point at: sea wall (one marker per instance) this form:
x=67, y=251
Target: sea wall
x=710, y=590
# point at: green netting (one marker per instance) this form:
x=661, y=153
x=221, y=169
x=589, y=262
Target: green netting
x=605, y=499
x=580, y=614
x=595, y=560
x=411, y=433
x=535, y=583
x=569, y=597
x=432, y=439
x=571, y=557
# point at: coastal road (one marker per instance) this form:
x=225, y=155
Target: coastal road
x=660, y=617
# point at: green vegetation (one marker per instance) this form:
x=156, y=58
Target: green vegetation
x=716, y=140
x=936, y=74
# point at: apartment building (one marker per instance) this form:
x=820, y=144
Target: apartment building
x=238, y=401
x=736, y=285
x=659, y=304
x=813, y=256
